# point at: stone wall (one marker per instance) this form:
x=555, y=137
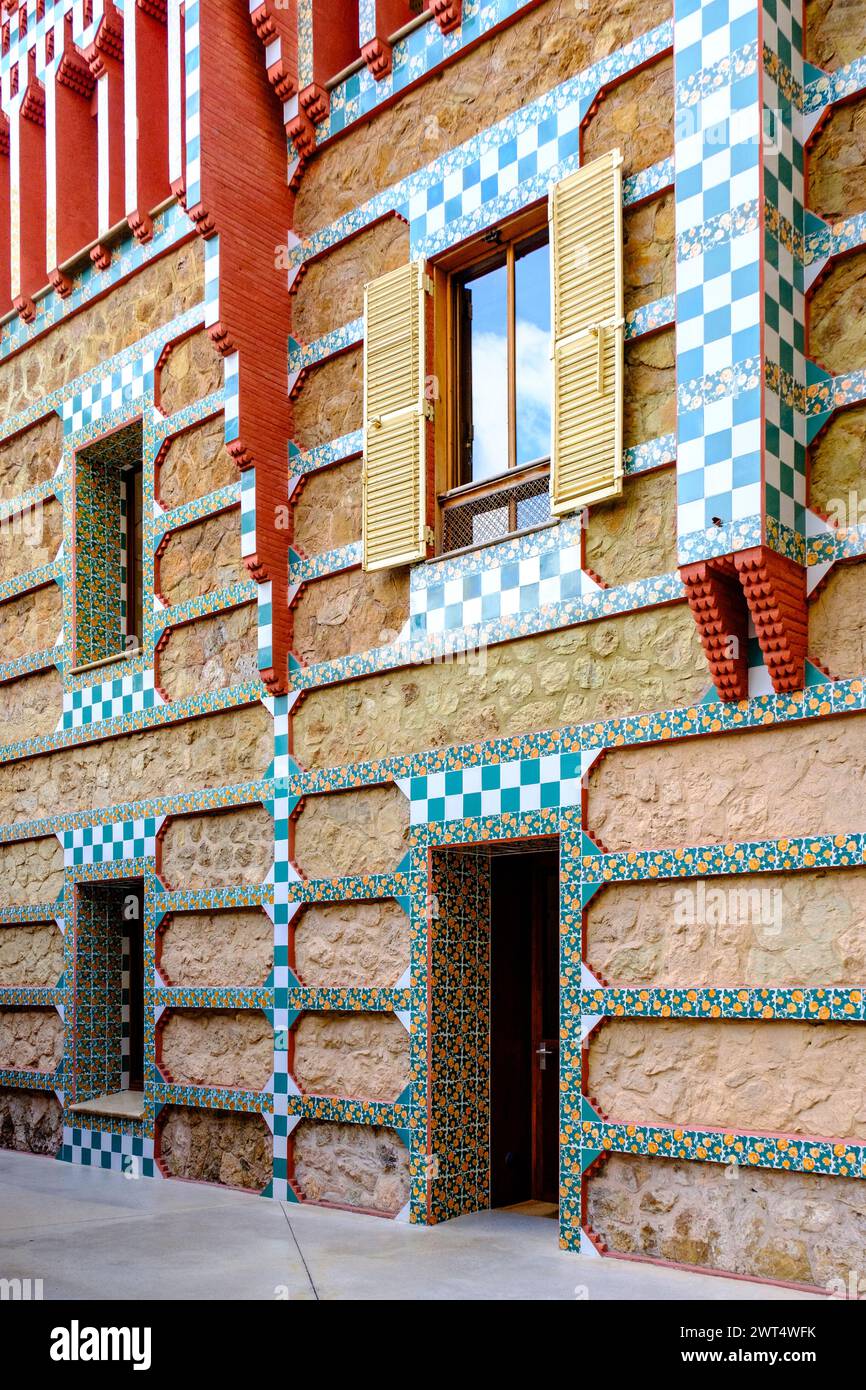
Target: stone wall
x=30, y=1121
x=837, y=163
x=31, y=954
x=31, y=623
x=649, y=388
x=834, y=32
x=837, y=622
x=31, y=457
x=763, y=1223
x=798, y=779
x=365, y=1056
x=836, y=309
x=332, y=290
x=351, y=1165
x=529, y=57
x=635, y=536
x=195, y=463
x=200, y=558
x=30, y=539
x=766, y=930
x=350, y=612
x=213, y=1047
x=222, y=1146
x=636, y=117
x=30, y=706
x=214, y=751
x=617, y=666
x=192, y=369
x=30, y=1039
x=211, y=653
x=155, y=295
x=357, y=943
x=837, y=468
x=354, y=832
x=330, y=401
x=31, y=871
x=328, y=509
x=220, y=849
x=779, y=1077
x=649, y=262
x=203, y=949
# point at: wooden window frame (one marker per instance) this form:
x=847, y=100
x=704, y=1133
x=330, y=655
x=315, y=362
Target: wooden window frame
x=448, y=271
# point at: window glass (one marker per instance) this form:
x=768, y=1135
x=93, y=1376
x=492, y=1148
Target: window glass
x=486, y=422
x=533, y=366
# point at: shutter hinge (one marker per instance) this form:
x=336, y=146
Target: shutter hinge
x=429, y=535
x=427, y=284
x=428, y=410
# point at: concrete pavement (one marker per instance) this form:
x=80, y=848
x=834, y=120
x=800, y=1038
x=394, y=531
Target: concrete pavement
x=89, y=1234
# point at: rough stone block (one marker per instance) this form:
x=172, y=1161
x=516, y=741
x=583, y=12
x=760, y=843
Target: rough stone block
x=357, y=943
x=773, y=1077
x=219, y=1146
x=351, y=1165
x=214, y=1047
x=357, y=1055
x=761, y=784
x=354, y=832
x=234, y=948
x=221, y=849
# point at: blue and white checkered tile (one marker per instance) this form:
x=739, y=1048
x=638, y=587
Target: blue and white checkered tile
x=494, y=789
x=514, y=577
x=547, y=141
x=719, y=470
x=231, y=368
x=501, y=169
x=117, y=1153
x=211, y=281
x=128, y=384
x=109, y=700
x=110, y=843
x=192, y=76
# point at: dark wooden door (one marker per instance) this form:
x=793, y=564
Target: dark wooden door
x=524, y=1033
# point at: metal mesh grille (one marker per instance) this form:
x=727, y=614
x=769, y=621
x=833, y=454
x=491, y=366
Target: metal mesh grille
x=490, y=516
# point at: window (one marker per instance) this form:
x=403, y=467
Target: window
x=501, y=379
x=108, y=549
x=512, y=408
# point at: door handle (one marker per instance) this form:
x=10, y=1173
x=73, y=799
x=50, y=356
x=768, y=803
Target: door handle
x=542, y=1053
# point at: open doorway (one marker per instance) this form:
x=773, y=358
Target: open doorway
x=109, y=998
x=524, y=1027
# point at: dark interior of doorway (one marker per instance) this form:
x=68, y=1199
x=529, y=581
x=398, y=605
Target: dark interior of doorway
x=524, y=1026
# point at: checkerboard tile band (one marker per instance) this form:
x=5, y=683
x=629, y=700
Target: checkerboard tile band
x=493, y=789
x=117, y=1153
x=487, y=593
x=106, y=844
x=109, y=700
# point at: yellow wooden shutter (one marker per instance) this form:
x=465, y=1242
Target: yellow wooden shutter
x=394, y=492
x=588, y=334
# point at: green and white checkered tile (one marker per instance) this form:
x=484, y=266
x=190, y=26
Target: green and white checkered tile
x=494, y=789
x=109, y=700
x=108, y=844
x=118, y=1153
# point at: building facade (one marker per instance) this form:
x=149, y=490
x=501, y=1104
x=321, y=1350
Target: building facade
x=432, y=446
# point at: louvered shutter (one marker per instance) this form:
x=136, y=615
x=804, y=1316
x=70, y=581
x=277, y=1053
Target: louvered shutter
x=394, y=489
x=588, y=334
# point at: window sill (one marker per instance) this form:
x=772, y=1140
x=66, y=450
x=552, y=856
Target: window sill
x=106, y=661
x=488, y=545
x=120, y=1105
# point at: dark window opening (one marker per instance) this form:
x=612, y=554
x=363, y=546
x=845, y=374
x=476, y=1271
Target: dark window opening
x=108, y=547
